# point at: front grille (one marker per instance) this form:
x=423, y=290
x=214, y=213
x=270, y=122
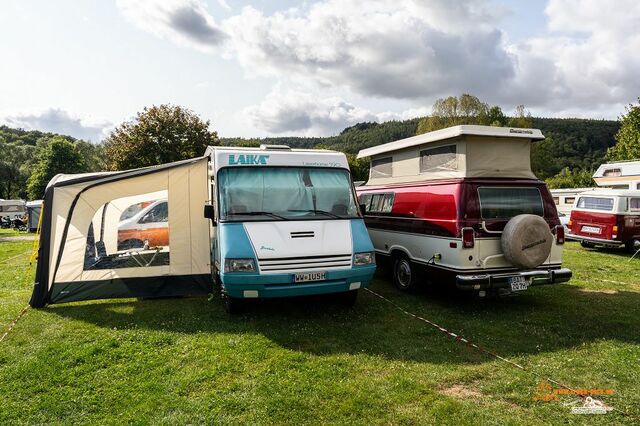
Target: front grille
x=306, y=263
x=303, y=234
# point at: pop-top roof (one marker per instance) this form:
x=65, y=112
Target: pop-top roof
x=452, y=132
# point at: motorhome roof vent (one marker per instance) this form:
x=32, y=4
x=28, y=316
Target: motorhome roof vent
x=265, y=147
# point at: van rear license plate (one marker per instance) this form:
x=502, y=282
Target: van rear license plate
x=309, y=276
x=518, y=283
x=591, y=229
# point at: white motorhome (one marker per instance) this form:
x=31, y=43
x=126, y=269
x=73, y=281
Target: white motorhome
x=12, y=209
x=285, y=223
x=619, y=175
x=276, y=222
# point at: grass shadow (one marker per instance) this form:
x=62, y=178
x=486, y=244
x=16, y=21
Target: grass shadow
x=544, y=319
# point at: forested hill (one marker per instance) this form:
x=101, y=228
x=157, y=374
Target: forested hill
x=571, y=142
x=578, y=144
x=350, y=140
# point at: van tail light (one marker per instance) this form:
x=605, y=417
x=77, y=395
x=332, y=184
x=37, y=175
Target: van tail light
x=468, y=238
x=559, y=234
x=614, y=232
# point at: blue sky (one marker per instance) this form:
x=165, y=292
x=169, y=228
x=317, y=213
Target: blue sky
x=308, y=68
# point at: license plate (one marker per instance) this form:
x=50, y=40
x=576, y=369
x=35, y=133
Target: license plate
x=591, y=229
x=309, y=276
x=518, y=283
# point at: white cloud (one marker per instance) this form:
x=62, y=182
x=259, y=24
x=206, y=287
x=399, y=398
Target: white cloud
x=307, y=114
x=185, y=22
x=588, y=61
x=402, y=49
x=224, y=4
x=60, y=121
x=414, y=51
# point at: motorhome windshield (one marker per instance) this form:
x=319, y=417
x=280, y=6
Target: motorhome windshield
x=285, y=193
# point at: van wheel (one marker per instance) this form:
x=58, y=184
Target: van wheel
x=404, y=274
x=632, y=246
x=348, y=298
x=232, y=305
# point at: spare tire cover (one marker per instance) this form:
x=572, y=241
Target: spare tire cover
x=526, y=241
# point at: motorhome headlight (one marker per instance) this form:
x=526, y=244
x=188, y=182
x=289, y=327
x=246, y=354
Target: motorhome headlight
x=239, y=265
x=366, y=258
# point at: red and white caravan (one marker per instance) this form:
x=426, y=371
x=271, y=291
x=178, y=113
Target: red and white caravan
x=463, y=205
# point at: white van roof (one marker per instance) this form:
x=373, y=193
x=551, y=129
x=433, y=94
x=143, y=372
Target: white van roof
x=626, y=168
x=452, y=132
x=11, y=202
x=607, y=192
x=275, y=155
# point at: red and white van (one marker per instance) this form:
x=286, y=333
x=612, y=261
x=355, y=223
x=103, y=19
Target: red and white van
x=461, y=206
x=608, y=218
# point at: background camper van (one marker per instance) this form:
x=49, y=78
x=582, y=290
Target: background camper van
x=608, y=218
x=462, y=205
x=286, y=223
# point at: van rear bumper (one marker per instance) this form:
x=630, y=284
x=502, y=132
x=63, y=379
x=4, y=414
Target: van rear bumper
x=602, y=241
x=535, y=277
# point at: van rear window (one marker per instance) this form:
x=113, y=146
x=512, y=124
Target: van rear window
x=505, y=202
x=595, y=203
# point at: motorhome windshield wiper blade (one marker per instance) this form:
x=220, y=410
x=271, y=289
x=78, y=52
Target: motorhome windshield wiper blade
x=324, y=212
x=258, y=214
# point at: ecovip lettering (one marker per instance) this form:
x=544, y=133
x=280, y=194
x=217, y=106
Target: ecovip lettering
x=248, y=159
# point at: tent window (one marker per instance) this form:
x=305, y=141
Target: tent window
x=129, y=232
x=381, y=167
x=612, y=172
x=442, y=158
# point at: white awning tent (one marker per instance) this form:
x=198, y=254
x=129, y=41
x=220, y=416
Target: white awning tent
x=81, y=257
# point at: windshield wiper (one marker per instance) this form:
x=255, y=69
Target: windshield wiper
x=257, y=214
x=326, y=213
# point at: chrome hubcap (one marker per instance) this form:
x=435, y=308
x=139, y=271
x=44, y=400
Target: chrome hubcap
x=403, y=273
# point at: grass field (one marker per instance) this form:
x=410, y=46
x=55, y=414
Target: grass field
x=311, y=361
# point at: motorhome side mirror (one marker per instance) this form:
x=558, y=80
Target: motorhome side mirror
x=209, y=213
x=363, y=208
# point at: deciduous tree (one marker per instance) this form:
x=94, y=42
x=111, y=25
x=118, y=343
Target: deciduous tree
x=59, y=156
x=159, y=134
x=627, y=145
x=571, y=179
